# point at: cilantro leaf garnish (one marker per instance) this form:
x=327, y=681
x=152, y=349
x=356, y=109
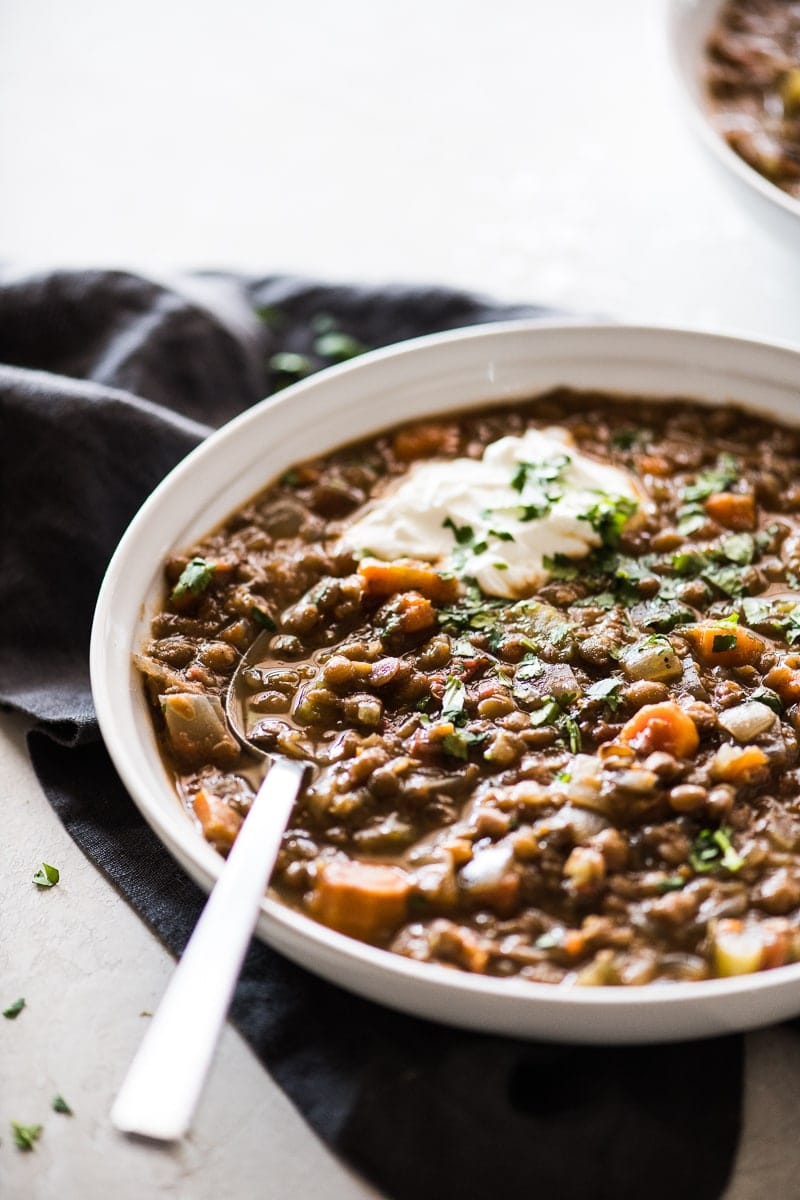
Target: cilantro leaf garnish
x=25, y=1135
x=457, y=743
x=262, y=618
x=718, y=479
x=607, y=690
x=194, y=579
x=608, y=515
x=766, y=696
x=13, y=1010
x=60, y=1105
x=453, y=700
x=537, y=474
x=338, y=346
x=713, y=848
x=47, y=876
x=723, y=641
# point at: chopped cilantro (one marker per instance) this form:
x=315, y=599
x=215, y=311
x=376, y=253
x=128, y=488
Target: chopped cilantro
x=464, y=534
x=719, y=479
x=691, y=517
x=46, y=876
x=531, y=667
x=766, y=696
x=673, y=883
x=537, y=474
x=13, y=1010
x=571, y=728
x=453, y=701
x=339, y=347
x=605, y=600
x=263, y=619
x=607, y=690
x=609, y=515
x=626, y=439
x=271, y=315
x=502, y=535
x=780, y=618
x=60, y=1105
x=723, y=641
x=713, y=848
x=560, y=566
x=291, y=365
x=663, y=618
x=457, y=743
x=194, y=579
x=463, y=648
x=738, y=548
x=547, y=713
x=25, y=1135
x=706, y=566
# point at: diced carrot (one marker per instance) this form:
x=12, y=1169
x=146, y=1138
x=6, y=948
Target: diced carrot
x=786, y=682
x=363, y=900
x=777, y=937
x=406, y=575
x=220, y=823
x=424, y=440
x=738, y=765
x=653, y=464
x=723, y=645
x=410, y=612
x=662, y=727
x=574, y=943
x=732, y=510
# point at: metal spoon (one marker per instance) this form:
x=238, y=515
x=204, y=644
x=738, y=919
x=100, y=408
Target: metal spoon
x=164, y=1081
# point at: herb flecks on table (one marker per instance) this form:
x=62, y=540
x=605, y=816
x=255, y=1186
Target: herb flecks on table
x=47, y=876
x=25, y=1136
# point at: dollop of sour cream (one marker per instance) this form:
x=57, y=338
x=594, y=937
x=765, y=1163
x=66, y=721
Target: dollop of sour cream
x=501, y=519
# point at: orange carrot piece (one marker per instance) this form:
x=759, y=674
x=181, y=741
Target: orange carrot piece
x=732, y=510
x=424, y=440
x=732, y=764
x=410, y=612
x=220, y=823
x=786, y=682
x=723, y=645
x=662, y=727
x=407, y=575
x=363, y=900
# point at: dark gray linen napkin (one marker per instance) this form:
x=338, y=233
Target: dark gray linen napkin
x=109, y=380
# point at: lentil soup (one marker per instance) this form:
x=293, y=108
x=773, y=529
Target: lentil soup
x=753, y=79
x=572, y=766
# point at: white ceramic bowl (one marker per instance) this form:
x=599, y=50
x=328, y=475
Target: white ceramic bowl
x=430, y=375
x=689, y=23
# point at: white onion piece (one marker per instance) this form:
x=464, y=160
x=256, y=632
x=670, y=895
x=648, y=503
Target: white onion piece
x=487, y=867
x=195, y=722
x=747, y=721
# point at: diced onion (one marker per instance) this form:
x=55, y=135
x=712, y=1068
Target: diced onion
x=651, y=660
x=747, y=721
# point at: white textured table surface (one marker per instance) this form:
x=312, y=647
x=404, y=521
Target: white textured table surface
x=532, y=150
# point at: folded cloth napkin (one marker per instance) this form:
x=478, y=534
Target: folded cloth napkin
x=110, y=379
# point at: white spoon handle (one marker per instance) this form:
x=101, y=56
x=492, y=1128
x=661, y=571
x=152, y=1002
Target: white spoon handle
x=164, y=1081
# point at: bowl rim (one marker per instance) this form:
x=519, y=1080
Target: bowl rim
x=690, y=88
x=279, y=923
